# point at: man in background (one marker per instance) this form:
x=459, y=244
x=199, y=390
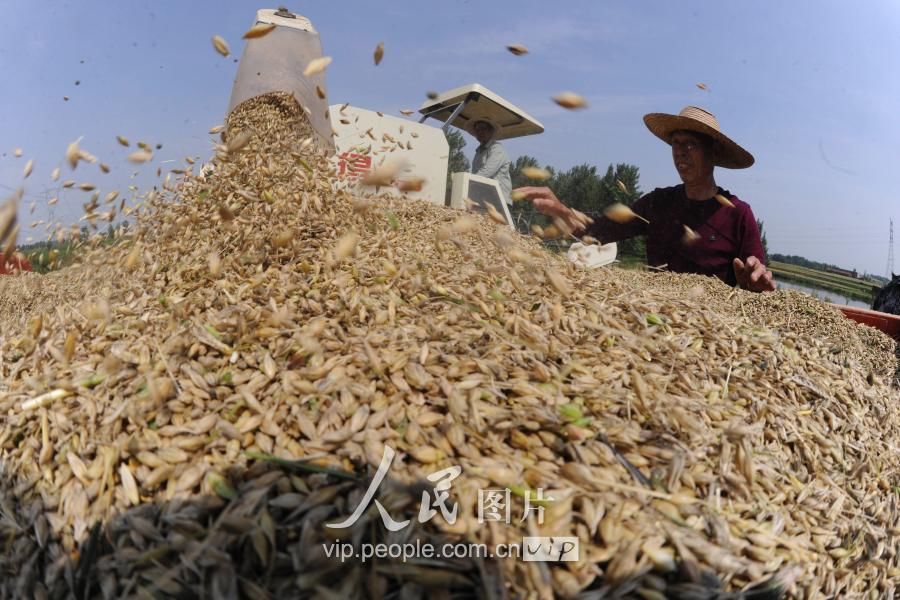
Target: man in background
x=491, y=159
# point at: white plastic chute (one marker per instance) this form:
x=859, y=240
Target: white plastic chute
x=592, y=256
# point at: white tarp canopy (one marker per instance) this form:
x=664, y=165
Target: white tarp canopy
x=465, y=105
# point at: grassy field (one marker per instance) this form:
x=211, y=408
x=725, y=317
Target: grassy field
x=45, y=257
x=852, y=288
x=51, y=256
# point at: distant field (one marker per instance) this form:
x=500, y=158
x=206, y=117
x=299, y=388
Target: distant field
x=50, y=257
x=847, y=286
x=853, y=288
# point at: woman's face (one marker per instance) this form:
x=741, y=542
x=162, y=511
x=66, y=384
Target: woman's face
x=692, y=156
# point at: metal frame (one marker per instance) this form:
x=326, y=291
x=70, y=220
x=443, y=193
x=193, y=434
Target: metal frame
x=459, y=108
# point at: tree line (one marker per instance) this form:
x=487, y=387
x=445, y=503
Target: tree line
x=583, y=188
x=793, y=259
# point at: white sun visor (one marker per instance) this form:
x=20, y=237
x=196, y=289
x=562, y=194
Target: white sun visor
x=465, y=105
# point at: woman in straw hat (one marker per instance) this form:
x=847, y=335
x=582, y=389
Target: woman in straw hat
x=696, y=227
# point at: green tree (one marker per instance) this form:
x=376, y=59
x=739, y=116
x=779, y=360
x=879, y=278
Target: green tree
x=523, y=213
x=457, y=161
x=516, y=176
x=612, y=193
x=762, y=236
x=581, y=188
x=578, y=188
x=584, y=189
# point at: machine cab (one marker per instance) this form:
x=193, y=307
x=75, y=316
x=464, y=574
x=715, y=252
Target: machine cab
x=462, y=107
x=366, y=139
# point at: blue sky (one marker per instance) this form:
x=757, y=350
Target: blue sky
x=810, y=88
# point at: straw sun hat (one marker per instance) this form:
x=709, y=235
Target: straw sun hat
x=490, y=122
x=692, y=118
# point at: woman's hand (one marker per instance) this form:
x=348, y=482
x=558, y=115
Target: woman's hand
x=546, y=203
x=753, y=275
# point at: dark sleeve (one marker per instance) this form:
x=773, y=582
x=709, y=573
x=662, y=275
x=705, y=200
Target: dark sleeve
x=608, y=231
x=751, y=244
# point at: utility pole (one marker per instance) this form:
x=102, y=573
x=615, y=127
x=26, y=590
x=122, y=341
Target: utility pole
x=890, y=261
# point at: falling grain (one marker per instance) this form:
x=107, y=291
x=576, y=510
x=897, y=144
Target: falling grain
x=257, y=31
x=383, y=175
x=558, y=281
x=622, y=214
x=411, y=184
x=140, y=156
x=495, y=214
x=464, y=225
x=690, y=236
x=317, y=66
x=536, y=173
x=517, y=49
x=131, y=261
x=220, y=45
x=346, y=246
x=724, y=201
x=239, y=141
x=379, y=53
x=73, y=154
x=570, y=100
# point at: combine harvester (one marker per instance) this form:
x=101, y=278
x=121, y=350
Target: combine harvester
x=363, y=140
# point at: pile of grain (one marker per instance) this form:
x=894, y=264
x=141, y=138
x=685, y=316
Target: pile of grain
x=29, y=294
x=786, y=311
x=234, y=372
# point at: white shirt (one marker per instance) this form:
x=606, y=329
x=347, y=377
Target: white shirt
x=491, y=161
